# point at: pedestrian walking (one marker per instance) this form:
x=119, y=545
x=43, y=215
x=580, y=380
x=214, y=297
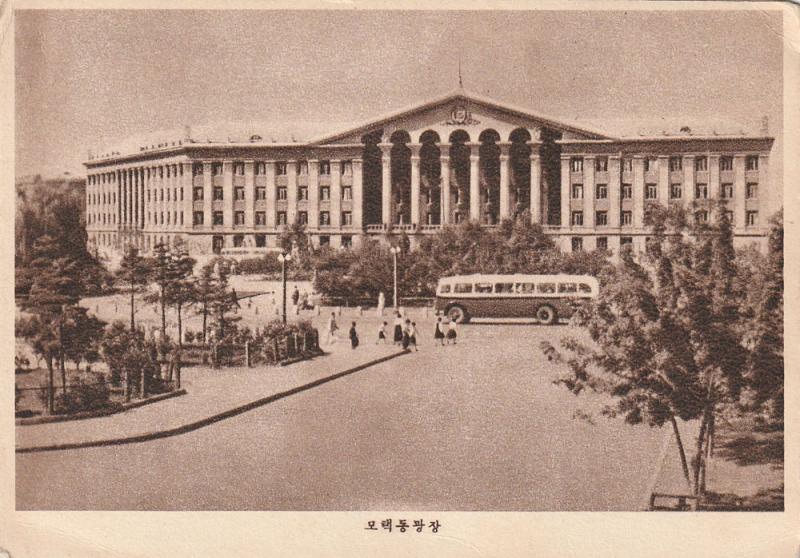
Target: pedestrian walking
x=412, y=338
x=398, y=329
x=451, y=332
x=332, y=327
x=353, y=336
x=381, y=303
x=382, y=333
x=438, y=335
x=407, y=334
x=295, y=296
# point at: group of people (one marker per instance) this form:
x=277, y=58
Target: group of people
x=405, y=332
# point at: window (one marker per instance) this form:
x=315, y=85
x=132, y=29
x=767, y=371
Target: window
x=545, y=288
x=701, y=216
x=197, y=169
x=218, y=218
x=282, y=218
x=161, y=194
x=324, y=167
x=347, y=168
x=238, y=218
x=238, y=193
x=601, y=164
x=347, y=218
x=260, y=169
x=627, y=191
x=752, y=190
x=181, y=217
x=525, y=288
x=282, y=193
x=602, y=243
x=216, y=169
x=726, y=190
x=675, y=191
x=261, y=218
x=729, y=216
x=280, y=168
x=238, y=169
x=569, y=287
x=483, y=287
x=181, y=193
x=462, y=288
x=601, y=218
x=218, y=193
x=675, y=163
x=238, y=240
x=726, y=163
x=302, y=193
x=347, y=241
x=650, y=164
x=651, y=192
x=302, y=168
x=751, y=162
x=347, y=193
x=752, y=218
x=167, y=194
x=577, y=218
x=602, y=191
x=701, y=164
x=197, y=218
x=627, y=164
x=324, y=219
x=504, y=288
x=261, y=241
x=577, y=191
x=576, y=164
x=627, y=218
x=324, y=240
x=261, y=193
x=701, y=191
x=302, y=217
x=444, y=289
x=324, y=193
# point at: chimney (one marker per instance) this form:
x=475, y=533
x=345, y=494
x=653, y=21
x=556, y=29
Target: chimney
x=764, y=125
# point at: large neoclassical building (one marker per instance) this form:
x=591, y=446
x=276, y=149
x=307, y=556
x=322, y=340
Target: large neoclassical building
x=455, y=158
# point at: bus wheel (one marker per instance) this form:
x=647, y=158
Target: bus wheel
x=546, y=315
x=457, y=314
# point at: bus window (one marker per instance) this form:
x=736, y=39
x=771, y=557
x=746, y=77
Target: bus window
x=483, y=287
x=567, y=288
x=584, y=288
x=504, y=288
x=463, y=288
x=444, y=289
x=546, y=288
x=525, y=288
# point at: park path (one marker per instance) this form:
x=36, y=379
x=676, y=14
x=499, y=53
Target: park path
x=209, y=393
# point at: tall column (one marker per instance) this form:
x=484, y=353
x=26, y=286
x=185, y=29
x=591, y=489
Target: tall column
x=638, y=192
x=358, y=194
x=208, y=194
x=474, y=182
x=227, y=193
x=444, y=160
x=249, y=194
x=291, y=191
x=141, y=198
x=739, y=206
x=505, y=194
x=271, y=194
x=386, y=184
x=565, y=192
x=313, y=194
x=118, y=197
x=414, y=183
x=336, y=193
x=588, y=191
x=713, y=177
x=536, y=208
x=614, y=185
x=188, y=194
x=663, y=180
x=129, y=180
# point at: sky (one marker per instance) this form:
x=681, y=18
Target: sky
x=86, y=78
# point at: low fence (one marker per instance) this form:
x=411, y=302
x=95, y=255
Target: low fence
x=275, y=350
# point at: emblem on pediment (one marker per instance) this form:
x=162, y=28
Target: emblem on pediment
x=461, y=116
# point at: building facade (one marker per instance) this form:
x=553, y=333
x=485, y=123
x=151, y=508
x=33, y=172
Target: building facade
x=456, y=158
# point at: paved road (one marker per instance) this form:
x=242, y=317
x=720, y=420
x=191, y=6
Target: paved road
x=478, y=426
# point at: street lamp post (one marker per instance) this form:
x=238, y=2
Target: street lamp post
x=395, y=250
x=284, y=258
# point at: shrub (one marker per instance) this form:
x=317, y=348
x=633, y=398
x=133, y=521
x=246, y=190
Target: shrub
x=87, y=392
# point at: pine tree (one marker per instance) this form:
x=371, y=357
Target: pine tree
x=181, y=291
x=134, y=272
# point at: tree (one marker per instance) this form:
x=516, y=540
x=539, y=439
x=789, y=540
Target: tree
x=82, y=335
x=223, y=301
x=205, y=288
x=181, y=291
x=130, y=356
x=665, y=342
x=134, y=272
x=161, y=272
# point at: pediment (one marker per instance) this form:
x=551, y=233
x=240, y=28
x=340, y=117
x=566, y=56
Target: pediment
x=460, y=111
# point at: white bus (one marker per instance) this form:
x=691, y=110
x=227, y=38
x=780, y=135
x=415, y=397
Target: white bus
x=547, y=298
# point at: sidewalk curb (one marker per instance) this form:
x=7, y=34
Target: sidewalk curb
x=195, y=425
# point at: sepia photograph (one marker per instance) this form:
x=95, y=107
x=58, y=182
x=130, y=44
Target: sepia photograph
x=424, y=261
